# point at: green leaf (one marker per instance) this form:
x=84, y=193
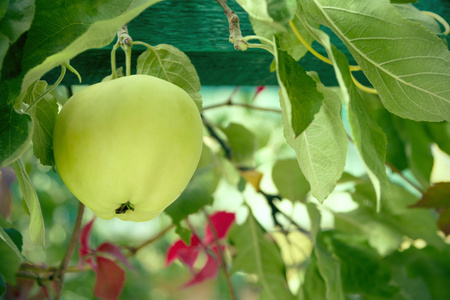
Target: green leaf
x=15, y=134
x=385, y=229
x=418, y=144
x=422, y=274
x=287, y=40
x=44, y=115
x=36, y=228
x=15, y=236
x=440, y=134
x=327, y=264
x=300, y=90
x=396, y=148
x=367, y=135
x=289, y=180
x=313, y=286
x=256, y=255
x=408, y=66
x=413, y=14
x=370, y=278
x=404, y=1
x=2, y=286
x=16, y=20
x=200, y=189
x=258, y=10
x=243, y=144
x=281, y=11
x=183, y=233
x=438, y=197
x=12, y=244
x=322, y=148
x=10, y=261
x=70, y=33
x=370, y=141
x=171, y=64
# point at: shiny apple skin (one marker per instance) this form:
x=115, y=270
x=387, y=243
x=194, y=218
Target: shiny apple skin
x=135, y=139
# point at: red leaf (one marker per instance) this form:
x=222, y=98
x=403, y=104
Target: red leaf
x=222, y=222
x=114, y=251
x=208, y=271
x=259, y=89
x=84, y=249
x=109, y=280
x=187, y=254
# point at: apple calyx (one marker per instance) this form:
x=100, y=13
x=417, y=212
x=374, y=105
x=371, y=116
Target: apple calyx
x=124, y=207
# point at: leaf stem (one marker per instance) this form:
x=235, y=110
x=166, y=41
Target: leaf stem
x=113, y=61
x=440, y=20
x=59, y=274
x=328, y=61
x=58, y=81
x=257, y=37
x=221, y=255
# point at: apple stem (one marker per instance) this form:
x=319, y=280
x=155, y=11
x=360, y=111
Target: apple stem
x=124, y=207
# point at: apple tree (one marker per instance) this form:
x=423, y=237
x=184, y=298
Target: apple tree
x=148, y=183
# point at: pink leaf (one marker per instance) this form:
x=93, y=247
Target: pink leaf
x=222, y=222
x=259, y=89
x=84, y=249
x=109, y=280
x=84, y=238
x=187, y=254
x=208, y=271
x=114, y=251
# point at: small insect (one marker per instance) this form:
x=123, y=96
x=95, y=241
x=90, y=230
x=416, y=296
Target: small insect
x=124, y=207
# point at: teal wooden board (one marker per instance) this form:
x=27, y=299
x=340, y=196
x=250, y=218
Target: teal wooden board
x=200, y=29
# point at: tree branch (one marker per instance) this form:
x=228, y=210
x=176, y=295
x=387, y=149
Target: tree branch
x=235, y=30
x=59, y=274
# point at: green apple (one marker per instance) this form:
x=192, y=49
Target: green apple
x=128, y=147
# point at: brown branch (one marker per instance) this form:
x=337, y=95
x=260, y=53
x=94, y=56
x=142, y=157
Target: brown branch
x=235, y=30
x=51, y=273
x=249, y=106
x=133, y=250
x=397, y=171
x=226, y=148
x=222, y=256
x=59, y=274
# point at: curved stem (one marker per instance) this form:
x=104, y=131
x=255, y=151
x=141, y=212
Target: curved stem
x=128, y=61
x=440, y=20
x=261, y=46
x=113, y=61
x=328, y=61
x=73, y=70
x=260, y=38
x=58, y=81
x=308, y=46
x=59, y=275
x=363, y=87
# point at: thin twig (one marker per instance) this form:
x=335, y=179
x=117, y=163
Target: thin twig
x=275, y=210
x=213, y=133
x=249, y=106
x=235, y=30
x=133, y=250
x=222, y=256
x=59, y=275
x=397, y=171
